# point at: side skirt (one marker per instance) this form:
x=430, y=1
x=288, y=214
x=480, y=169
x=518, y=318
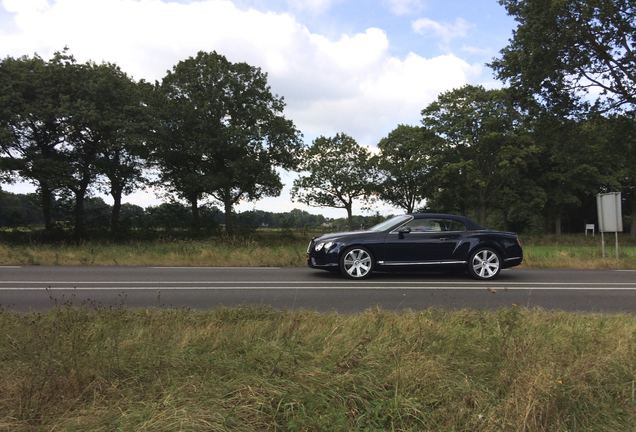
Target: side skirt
x=410, y=263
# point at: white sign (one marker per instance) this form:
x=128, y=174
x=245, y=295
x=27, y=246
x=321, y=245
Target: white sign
x=609, y=210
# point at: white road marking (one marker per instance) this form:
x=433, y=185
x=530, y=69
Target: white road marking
x=356, y=283
x=329, y=288
x=9, y=267
x=215, y=268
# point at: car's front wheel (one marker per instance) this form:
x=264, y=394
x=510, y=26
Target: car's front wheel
x=484, y=264
x=356, y=263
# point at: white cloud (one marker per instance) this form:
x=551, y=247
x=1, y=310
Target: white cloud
x=445, y=32
x=25, y=5
x=483, y=51
x=351, y=83
x=405, y=7
x=313, y=6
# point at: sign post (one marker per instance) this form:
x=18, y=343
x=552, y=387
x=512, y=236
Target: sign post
x=608, y=206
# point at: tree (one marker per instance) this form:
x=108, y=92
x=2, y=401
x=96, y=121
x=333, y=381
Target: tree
x=100, y=119
x=404, y=166
x=123, y=156
x=482, y=151
x=339, y=171
x=581, y=44
x=32, y=124
x=222, y=133
x=621, y=136
x=575, y=163
x=572, y=52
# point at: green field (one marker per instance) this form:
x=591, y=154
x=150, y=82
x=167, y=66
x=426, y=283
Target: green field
x=281, y=249
x=259, y=369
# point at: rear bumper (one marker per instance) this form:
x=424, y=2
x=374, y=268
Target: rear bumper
x=512, y=261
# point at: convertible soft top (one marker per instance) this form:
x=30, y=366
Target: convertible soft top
x=470, y=225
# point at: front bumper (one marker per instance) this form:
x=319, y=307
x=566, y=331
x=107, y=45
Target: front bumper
x=322, y=259
x=316, y=262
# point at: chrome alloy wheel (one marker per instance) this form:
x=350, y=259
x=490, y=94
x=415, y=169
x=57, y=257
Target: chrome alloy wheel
x=357, y=263
x=485, y=264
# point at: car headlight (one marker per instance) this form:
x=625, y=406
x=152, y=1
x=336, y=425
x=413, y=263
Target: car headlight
x=328, y=245
x=319, y=246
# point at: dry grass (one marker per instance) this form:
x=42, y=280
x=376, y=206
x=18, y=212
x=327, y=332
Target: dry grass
x=283, y=249
x=579, y=252
x=258, y=369
x=213, y=252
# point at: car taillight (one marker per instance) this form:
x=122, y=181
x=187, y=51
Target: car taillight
x=518, y=241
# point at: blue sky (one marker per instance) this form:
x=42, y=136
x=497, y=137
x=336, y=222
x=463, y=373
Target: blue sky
x=359, y=67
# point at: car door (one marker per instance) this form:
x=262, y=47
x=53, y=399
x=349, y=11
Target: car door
x=429, y=241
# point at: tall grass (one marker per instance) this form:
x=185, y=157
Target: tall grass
x=259, y=369
x=282, y=249
x=221, y=251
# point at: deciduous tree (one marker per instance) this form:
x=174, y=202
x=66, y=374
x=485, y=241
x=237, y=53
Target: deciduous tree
x=482, y=151
x=32, y=122
x=404, y=166
x=338, y=171
x=222, y=133
x=580, y=44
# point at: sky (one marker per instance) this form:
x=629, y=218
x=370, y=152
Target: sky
x=352, y=66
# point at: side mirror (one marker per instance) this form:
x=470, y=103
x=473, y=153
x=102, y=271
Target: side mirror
x=403, y=231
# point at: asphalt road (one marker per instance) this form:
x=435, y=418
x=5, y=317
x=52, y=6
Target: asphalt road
x=39, y=288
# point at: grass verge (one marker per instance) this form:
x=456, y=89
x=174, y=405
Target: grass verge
x=282, y=249
x=260, y=369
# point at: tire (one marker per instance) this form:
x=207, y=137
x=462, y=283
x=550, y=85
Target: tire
x=356, y=263
x=484, y=264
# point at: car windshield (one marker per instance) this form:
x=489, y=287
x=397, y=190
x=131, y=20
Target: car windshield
x=389, y=223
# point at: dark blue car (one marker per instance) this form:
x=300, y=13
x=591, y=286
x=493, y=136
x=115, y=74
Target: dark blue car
x=417, y=241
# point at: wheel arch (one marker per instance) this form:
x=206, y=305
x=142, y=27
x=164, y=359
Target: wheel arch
x=347, y=247
x=486, y=244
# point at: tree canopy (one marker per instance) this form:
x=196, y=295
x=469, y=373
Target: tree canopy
x=404, y=166
x=222, y=132
x=338, y=171
x=581, y=47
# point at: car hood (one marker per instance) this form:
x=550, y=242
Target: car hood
x=334, y=236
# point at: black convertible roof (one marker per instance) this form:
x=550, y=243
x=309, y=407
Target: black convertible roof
x=470, y=225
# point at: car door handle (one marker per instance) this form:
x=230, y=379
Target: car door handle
x=444, y=238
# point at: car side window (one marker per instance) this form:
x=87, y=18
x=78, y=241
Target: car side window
x=453, y=225
x=435, y=225
x=424, y=225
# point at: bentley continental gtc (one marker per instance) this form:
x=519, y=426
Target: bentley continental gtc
x=417, y=242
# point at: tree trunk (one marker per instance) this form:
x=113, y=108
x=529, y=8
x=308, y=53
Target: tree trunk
x=349, y=216
x=116, y=193
x=46, y=200
x=194, y=207
x=557, y=225
x=229, y=223
x=632, y=230
x=482, y=208
x=78, y=233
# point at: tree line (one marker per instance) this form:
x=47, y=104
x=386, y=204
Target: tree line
x=479, y=153
x=527, y=157
x=23, y=210
x=209, y=129
x=18, y=211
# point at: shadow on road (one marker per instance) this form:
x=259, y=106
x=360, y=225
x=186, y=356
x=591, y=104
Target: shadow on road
x=406, y=276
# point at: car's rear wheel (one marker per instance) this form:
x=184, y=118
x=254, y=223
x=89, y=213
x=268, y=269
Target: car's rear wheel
x=356, y=263
x=484, y=264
